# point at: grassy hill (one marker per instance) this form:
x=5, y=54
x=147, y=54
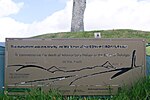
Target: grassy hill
x=139, y=91
x=118, y=33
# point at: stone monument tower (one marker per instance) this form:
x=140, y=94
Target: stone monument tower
x=77, y=23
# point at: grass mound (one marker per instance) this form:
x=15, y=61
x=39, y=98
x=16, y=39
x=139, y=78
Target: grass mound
x=139, y=91
x=118, y=33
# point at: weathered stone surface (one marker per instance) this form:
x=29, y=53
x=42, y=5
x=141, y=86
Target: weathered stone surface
x=77, y=23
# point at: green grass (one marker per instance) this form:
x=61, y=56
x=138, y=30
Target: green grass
x=120, y=33
x=34, y=94
x=139, y=91
x=148, y=49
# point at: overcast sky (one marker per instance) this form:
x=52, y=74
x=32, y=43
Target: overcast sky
x=26, y=18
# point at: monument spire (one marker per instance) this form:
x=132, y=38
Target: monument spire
x=77, y=23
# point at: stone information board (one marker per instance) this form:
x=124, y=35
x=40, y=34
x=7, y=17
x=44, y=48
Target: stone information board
x=74, y=66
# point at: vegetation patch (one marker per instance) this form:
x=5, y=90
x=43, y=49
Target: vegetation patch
x=139, y=90
x=118, y=33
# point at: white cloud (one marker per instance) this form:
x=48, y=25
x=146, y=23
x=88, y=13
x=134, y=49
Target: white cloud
x=58, y=22
x=8, y=7
x=99, y=15
x=109, y=14
x=8, y=26
x=11, y=28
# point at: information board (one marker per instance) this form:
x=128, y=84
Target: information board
x=74, y=66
